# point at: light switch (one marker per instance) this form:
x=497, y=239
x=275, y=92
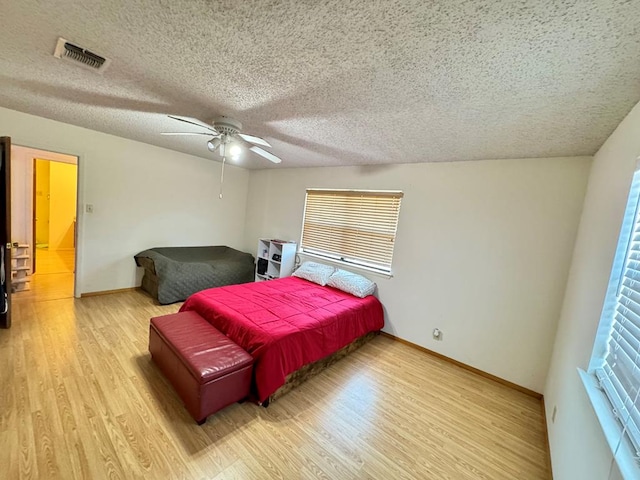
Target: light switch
x=89, y=208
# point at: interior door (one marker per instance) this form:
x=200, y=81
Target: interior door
x=5, y=232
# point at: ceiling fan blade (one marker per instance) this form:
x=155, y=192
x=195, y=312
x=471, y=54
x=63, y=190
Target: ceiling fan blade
x=269, y=156
x=254, y=139
x=208, y=134
x=193, y=121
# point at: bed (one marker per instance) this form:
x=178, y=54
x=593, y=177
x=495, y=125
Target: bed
x=289, y=325
x=171, y=274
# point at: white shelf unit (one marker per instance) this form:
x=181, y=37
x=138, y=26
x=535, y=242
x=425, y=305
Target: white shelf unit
x=275, y=268
x=20, y=267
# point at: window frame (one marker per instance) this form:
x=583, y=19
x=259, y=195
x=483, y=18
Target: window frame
x=336, y=257
x=625, y=453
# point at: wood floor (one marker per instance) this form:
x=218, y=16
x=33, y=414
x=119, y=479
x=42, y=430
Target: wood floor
x=54, y=277
x=55, y=261
x=80, y=398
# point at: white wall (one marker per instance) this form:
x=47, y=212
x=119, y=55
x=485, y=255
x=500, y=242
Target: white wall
x=21, y=196
x=578, y=447
x=483, y=251
x=143, y=196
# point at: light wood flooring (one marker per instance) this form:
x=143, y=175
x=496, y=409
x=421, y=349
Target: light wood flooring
x=54, y=277
x=80, y=398
x=54, y=261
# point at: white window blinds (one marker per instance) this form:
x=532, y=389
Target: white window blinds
x=353, y=226
x=619, y=370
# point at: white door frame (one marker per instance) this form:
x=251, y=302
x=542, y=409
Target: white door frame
x=47, y=154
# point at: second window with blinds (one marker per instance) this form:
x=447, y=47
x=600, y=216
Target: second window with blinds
x=613, y=380
x=356, y=227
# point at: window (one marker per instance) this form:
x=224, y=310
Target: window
x=352, y=226
x=615, y=361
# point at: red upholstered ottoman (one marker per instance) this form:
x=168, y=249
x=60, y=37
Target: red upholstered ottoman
x=207, y=369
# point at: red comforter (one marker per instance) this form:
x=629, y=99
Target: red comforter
x=286, y=323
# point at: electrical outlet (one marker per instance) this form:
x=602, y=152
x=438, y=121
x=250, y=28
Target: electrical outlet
x=553, y=415
x=437, y=334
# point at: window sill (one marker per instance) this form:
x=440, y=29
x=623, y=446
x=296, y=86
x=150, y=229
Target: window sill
x=621, y=450
x=351, y=266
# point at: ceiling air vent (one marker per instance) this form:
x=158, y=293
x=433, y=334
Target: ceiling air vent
x=81, y=56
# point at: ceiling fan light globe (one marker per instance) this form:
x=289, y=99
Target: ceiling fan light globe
x=213, y=144
x=235, y=151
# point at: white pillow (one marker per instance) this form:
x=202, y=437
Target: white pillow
x=314, y=272
x=351, y=283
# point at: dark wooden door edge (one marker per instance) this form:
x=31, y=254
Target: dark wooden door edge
x=5, y=224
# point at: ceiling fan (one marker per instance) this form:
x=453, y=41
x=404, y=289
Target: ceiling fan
x=226, y=137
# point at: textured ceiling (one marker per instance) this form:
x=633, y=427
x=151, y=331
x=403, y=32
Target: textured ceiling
x=336, y=82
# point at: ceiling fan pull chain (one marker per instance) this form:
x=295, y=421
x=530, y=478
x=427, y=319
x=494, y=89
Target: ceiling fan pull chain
x=224, y=159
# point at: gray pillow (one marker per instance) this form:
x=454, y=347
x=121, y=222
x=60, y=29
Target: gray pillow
x=352, y=283
x=314, y=272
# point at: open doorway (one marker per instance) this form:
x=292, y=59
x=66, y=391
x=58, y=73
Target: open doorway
x=44, y=199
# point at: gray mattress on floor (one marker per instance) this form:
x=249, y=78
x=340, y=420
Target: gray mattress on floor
x=171, y=274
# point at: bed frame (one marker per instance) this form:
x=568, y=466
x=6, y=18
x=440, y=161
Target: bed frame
x=312, y=369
